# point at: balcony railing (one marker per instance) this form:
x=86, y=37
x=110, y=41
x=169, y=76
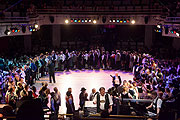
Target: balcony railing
x=125, y=10
x=14, y=19
x=172, y=20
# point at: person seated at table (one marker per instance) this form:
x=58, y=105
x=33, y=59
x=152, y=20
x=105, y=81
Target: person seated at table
x=154, y=108
x=126, y=94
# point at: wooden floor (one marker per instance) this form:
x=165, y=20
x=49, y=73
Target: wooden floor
x=77, y=79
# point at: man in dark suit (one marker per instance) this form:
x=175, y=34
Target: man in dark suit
x=28, y=76
x=82, y=98
x=33, y=69
x=66, y=62
x=51, y=71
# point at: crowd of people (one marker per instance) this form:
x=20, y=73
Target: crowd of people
x=30, y=69
x=19, y=74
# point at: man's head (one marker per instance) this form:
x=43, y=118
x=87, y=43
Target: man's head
x=116, y=73
x=53, y=52
x=33, y=88
x=93, y=90
x=45, y=84
x=42, y=83
x=102, y=91
x=28, y=65
x=52, y=94
x=83, y=90
x=20, y=67
x=154, y=94
x=70, y=90
x=55, y=89
x=20, y=84
x=47, y=91
x=125, y=83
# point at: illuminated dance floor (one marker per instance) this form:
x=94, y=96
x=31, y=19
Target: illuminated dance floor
x=77, y=79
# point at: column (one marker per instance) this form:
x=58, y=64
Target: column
x=176, y=43
x=148, y=36
x=27, y=43
x=56, y=36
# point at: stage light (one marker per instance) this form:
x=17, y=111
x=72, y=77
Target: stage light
x=89, y=20
x=79, y=20
x=177, y=34
x=114, y=20
x=172, y=31
x=72, y=20
x=110, y=20
x=75, y=20
x=86, y=21
x=7, y=32
x=66, y=21
x=121, y=21
x=159, y=26
x=82, y=20
x=157, y=29
x=36, y=25
x=94, y=21
x=128, y=20
x=125, y=21
x=117, y=20
x=30, y=28
x=133, y=22
x=14, y=29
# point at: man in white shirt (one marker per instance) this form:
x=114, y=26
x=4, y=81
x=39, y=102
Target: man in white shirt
x=61, y=60
x=92, y=95
x=103, y=100
x=86, y=56
x=154, y=108
x=116, y=80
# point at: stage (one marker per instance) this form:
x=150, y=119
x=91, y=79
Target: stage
x=84, y=78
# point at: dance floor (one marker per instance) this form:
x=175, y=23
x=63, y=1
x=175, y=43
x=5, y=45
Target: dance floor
x=77, y=79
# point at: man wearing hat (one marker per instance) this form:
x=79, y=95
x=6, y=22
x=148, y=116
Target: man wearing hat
x=82, y=98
